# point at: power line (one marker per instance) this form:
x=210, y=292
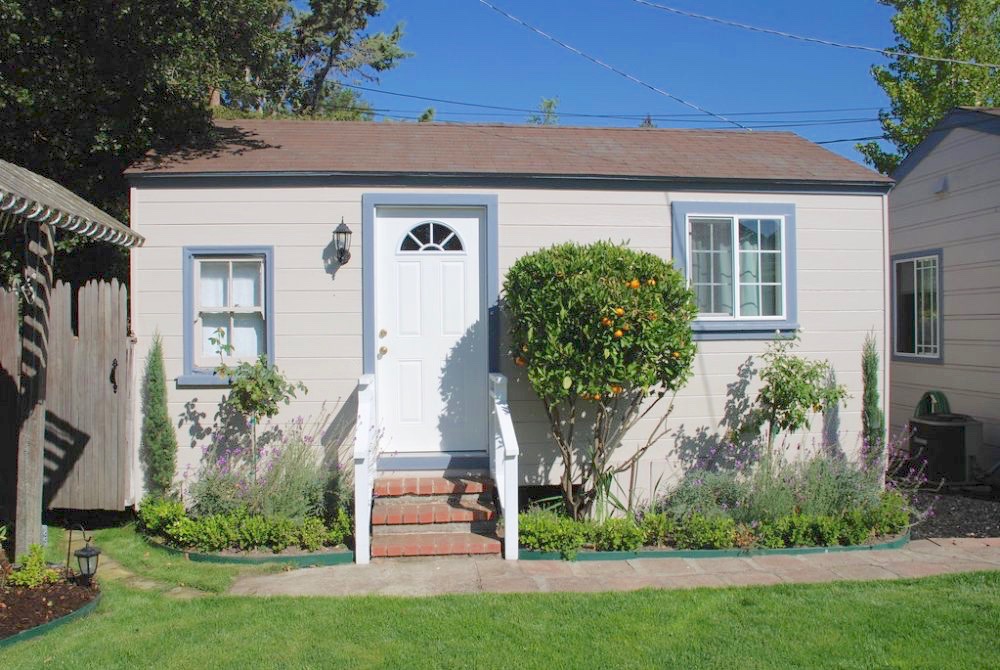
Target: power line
x=612, y=68
x=853, y=139
x=892, y=53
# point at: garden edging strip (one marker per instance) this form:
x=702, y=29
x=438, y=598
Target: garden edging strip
x=49, y=625
x=584, y=555
x=298, y=560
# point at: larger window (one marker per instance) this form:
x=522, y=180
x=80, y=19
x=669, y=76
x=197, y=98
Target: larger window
x=740, y=261
x=228, y=296
x=917, y=305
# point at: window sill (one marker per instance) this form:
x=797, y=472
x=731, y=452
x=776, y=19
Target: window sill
x=743, y=330
x=202, y=380
x=908, y=358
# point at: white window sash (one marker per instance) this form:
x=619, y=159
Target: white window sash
x=734, y=221
x=212, y=359
x=924, y=302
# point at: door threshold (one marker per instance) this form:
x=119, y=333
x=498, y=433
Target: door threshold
x=447, y=462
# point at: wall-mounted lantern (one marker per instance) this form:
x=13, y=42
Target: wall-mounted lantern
x=342, y=242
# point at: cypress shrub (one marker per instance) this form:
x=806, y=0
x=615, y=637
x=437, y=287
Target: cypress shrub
x=159, y=442
x=872, y=418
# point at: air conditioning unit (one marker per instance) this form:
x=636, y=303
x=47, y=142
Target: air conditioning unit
x=952, y=445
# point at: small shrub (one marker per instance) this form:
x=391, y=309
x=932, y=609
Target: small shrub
x=156, y=514
x=341, y=528
x=890, y=516
x=313, y=534
x=33, y=571
x=744, y=536
x=159, y=441
x=217, y=490
x=256, y=531
x=546, y=531
x=704, y=532
x=827, y=530
x=617, y=535
x=280, y=534
x=658, y=529
x=707, y=493
x=293, y=482
x=184, y=532
x=770, y=535
x=855, y=529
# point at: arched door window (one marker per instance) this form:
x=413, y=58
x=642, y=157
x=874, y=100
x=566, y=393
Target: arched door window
x=431, y=236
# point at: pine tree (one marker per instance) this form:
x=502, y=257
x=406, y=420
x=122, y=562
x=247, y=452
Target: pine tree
x=872, y=418
x=159, y=442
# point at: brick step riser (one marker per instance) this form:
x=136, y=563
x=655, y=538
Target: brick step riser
x=386, y=487
x=446, y=499
x=434, y=544
x=459, y=527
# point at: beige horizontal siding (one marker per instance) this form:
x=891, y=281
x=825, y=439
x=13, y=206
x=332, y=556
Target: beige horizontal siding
x=318, y=321
x=962, y=221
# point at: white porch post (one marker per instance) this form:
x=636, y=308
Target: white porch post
x=364, y=456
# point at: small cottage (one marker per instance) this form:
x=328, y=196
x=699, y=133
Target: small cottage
x=366, y=260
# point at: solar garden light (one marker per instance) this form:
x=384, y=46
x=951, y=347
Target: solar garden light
x=342, y=241
x=87, y=557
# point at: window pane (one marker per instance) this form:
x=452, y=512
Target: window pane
x=770, y=298
x=422, y=233
x=409, y=244
x=214, y=281
x=211, y=324
x=770, y=234
x=749, y=300
x=749, y=268
x=905, y=308
x=248, y=335
x=748, y=234
x=247, y=284
x=702, y=267
x=703, y=296
x=926, y=306
x=723, y=296
x=770, y=268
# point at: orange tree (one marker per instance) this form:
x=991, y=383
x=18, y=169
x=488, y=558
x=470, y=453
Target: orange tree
x=603, y=334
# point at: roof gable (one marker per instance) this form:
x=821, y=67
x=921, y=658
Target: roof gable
x=981, y=119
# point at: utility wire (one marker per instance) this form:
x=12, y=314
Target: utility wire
x=606, y=115
x=612, y=68
x=892, y=53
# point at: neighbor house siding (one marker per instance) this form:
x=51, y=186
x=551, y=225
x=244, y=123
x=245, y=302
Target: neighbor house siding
x=840, y=253
x=949, y=199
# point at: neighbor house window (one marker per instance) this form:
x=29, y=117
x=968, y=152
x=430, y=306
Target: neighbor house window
x=739, y=259
x=228, y=296
x=917, y=305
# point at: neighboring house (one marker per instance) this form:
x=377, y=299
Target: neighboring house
x=775, y=233
x=944, y=215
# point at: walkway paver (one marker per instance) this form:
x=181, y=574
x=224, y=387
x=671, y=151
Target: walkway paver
x=454, y=574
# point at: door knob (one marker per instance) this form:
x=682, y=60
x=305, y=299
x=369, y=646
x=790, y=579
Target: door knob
x=382, y=351
x=383, y=332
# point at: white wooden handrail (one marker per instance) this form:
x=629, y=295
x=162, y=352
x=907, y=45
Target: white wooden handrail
x=504, y=454
x=365, y=455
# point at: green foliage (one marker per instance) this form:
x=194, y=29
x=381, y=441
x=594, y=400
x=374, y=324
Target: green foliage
x=658, y=529
x=792, y=387
x=156, y=514
x=294, y=484
x=219, y=491
x=247, y=532
x=705, y=532
x=599, y=324
x=872, y=417
x=891, y=516
x=708, y=493
x=34, y=571
x=258, y=389
x=921, y=92
x=618, y=534
x=546, y=115
x=87, y=90
x=159, y=442
x=542, y=530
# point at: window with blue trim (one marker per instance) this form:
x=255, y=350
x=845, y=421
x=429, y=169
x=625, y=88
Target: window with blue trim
x=228, y=309
x=739, y=259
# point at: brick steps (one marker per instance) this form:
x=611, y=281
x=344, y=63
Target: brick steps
x=434, y=516
x=433, y=544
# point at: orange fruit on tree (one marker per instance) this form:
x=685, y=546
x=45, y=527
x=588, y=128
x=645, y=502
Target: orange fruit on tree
x=626, y=327
x=618, y=333
x=677, y=354
x=619, y=311
x=605, y=321
x=597, y=396
x=634, y=283
x=651, y=282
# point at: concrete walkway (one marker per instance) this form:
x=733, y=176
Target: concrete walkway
x=435, y=576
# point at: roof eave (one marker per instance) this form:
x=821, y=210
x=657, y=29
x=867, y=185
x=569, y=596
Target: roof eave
x=880, y=185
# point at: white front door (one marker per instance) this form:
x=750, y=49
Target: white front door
x=430, y=329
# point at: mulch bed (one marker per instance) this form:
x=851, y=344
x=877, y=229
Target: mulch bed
x=957, y=515
x=23, y=608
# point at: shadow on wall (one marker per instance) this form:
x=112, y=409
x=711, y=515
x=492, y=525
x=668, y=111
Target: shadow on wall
x=64, y=445
x=465, y=410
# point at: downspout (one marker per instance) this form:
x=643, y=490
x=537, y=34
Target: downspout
x=887, y=318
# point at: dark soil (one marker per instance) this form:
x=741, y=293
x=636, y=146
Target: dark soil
x=23, y=608
x=956, y=515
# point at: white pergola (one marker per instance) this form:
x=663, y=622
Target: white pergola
x=40, y=205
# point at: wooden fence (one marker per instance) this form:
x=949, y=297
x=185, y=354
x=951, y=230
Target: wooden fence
x=88, y=444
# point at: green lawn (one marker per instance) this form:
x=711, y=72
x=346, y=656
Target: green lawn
x=951, y=621
x=135, y=553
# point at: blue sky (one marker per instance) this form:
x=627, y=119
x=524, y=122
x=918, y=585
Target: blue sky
x=465, y=51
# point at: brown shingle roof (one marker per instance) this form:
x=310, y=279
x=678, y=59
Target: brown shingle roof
x=339, y=147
